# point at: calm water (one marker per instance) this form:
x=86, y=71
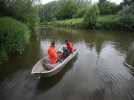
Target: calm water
x=97, y=73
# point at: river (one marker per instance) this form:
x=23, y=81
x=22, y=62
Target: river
x=97, y=73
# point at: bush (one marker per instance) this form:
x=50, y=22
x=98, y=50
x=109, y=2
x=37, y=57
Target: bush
x=14, y=35
x=90, y=18
x=80, y=12
x=108, y=22
x=67, y=9
x=108, y=8
x=127, y=22
x=127, y=17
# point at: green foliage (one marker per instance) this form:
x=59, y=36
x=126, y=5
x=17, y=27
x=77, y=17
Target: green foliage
x=22, y=10
x=66, y=10
x=76, y=22
x=106, y=22
x=48, y=11
x=63, y=9
x=82, y=3
x=127, y=16
x=80, y=12
x=109, y=22
x=127, y=2
x=14, y=35
x=127, y=10
x=102, y=2
x=108, y=8
x=90, y=18
x=127, y=22
x=73, y=10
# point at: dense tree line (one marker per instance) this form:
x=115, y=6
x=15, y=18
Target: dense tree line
x=63, y=9
x=71, y=9
x=107, y=7
x=66, y=9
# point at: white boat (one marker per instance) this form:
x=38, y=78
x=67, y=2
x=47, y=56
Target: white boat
x=44, y=68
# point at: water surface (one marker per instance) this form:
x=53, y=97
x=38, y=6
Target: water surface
x=97, y=73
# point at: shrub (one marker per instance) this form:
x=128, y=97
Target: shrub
x=67, y=9
x=108, y=22
x=127, y=17
x=127, y=22
x=90, y=17
x=108, y=8
x=80, y=12
x=13, y=36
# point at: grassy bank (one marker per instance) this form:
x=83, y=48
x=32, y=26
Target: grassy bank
x=110, y=22
x=14, y=35
x=67, y=23
x=107, y=22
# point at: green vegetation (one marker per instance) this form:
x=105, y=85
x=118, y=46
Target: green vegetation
x=127, y=15
x=66, y=10
x=90, y=17
x=110, y=22
x=17, y=19
x=14, y=35
x=82, y=13
x=103, y=22
x=47, y=12
x=76, y=22
x=63, y=9
x=22, y=10
x=107, y=7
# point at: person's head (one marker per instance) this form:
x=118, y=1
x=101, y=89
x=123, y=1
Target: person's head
x=53, y=43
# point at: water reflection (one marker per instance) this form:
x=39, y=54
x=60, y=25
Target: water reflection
x=130, y=55
x=98, y=73
x=43, y=85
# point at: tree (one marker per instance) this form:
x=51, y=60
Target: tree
x=127, y=2
x=67, y=9
x=80, y=12
x=107, y=7
x=63, y=9
x=82, y=6
x=82, y=3
x=102, y=2
x=48, y=11
x=23, y=10
x=127, y=16
x=90, y=18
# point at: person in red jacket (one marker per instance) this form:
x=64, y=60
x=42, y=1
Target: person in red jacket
x=69, y=46
x=52, y=54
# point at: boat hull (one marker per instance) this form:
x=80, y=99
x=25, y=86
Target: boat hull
x=39, y=70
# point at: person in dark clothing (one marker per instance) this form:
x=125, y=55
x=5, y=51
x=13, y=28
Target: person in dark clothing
x=65, y=52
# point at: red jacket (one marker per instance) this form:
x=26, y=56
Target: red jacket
x=70, y=46
x=52, y=54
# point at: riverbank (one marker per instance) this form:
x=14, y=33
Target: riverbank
x=107, y=22
x=14, y=35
